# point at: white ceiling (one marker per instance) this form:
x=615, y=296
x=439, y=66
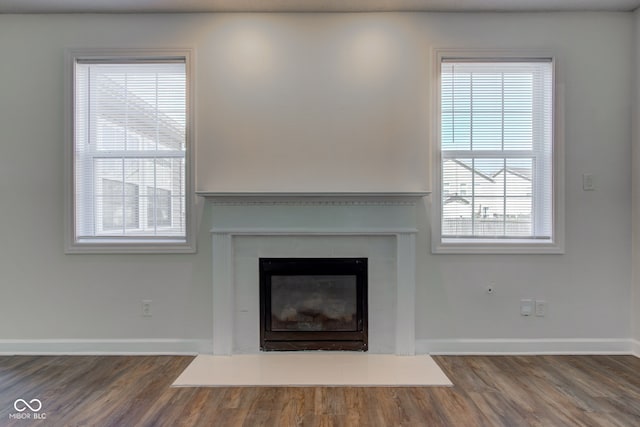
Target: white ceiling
x=125, y=6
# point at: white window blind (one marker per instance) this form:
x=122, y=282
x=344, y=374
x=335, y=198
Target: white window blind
x=129, y=150
x=496, y=146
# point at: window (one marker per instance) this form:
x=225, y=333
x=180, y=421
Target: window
x=497, y=187
x=119, y=205
x=130, y=153
x=159, y=210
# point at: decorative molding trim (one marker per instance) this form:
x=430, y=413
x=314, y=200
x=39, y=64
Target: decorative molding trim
x=635, y=348
x=105, y=347
x=314, y=199
x=269, y=231
x=526, y=346
x=298, y=202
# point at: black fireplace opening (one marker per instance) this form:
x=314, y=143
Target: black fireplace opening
x=313, y=304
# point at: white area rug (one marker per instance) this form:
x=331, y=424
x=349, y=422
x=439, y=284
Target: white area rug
x=312, y=369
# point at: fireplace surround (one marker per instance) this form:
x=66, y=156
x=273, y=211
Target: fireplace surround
x=250, y=226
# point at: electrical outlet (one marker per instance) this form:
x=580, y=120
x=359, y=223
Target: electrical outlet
x=526, y=307
x=541, y=308
x=146, y=308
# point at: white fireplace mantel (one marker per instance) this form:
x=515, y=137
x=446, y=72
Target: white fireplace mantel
x=350, y=198
x=315, y=216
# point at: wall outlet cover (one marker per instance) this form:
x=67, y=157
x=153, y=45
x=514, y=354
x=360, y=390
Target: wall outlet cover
x=526, y=307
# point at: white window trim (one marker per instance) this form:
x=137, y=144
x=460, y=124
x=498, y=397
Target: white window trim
x=128, y=246
x=505, y=246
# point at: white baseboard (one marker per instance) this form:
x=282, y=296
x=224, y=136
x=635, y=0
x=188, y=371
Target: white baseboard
x=423, y=346
x=527, y=346
x=105, y=347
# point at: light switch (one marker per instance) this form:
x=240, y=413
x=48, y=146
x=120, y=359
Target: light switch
x=587, y=182
x=541, y=308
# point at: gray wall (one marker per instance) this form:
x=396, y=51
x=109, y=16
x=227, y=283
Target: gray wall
x=278, y=87
x=636, y=184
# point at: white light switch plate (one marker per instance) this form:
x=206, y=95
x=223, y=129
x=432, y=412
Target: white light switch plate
x=587, y=182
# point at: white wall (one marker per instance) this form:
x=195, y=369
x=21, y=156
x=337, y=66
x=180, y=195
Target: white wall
x=327, y=86
x=312, y=103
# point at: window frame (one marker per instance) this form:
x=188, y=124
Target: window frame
x=508, y=245
x=124, y=245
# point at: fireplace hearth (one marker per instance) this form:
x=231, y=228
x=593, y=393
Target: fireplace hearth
x=313, y=304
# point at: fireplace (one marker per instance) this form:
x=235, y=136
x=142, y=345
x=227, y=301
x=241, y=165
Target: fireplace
x=313, y=304
x=380, y=227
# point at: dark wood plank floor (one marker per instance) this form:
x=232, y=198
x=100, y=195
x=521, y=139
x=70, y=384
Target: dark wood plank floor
x=488, y=391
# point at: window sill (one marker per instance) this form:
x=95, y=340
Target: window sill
x=107, y=246
x=500, y=247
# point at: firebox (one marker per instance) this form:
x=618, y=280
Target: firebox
x=313, y=304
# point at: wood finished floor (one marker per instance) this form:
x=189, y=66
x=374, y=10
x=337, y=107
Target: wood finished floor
x=488, y=391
